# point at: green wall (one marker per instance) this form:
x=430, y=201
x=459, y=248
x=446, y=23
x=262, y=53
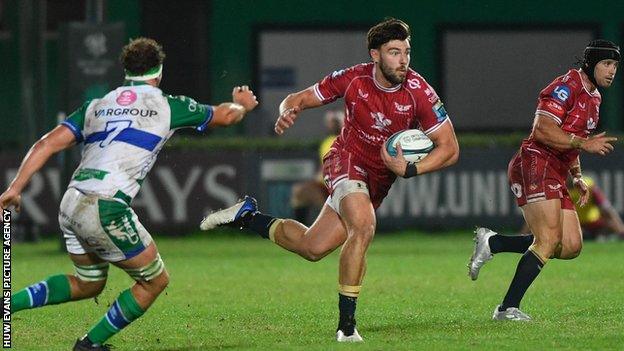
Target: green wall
x=12, y=132
x=233, y=22
x=231, y=45
x=9, y=86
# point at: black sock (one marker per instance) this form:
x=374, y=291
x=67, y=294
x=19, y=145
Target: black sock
x=86, y=340
x=346, y=306
x=258, y=223
x=301, y=214
x=510, y=243
x=528, y=269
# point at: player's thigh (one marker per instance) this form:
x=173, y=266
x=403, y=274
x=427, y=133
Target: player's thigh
x=86, y=259
x=544, y=219
x=327, y=232
x=572, y=238
x=357, y=211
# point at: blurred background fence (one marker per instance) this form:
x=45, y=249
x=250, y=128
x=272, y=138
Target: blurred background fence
x=487, y=60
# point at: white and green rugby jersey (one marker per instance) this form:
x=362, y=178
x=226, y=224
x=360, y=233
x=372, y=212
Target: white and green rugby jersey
x=123, y=133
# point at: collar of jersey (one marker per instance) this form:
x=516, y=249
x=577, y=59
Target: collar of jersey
x=381, y=87
x=596, y=91
x=133, y=83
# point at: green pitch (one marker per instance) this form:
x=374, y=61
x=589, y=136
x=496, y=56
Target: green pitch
x=239, y=292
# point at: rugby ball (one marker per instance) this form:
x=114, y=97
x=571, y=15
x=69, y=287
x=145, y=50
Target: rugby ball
x=414, y=143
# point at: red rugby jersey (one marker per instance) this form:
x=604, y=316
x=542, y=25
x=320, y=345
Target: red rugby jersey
x=373, y=113
x=570, y=104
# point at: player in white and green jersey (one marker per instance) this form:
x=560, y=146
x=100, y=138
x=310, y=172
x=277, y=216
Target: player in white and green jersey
x=122, y=134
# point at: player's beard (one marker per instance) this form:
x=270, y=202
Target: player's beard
x=391, y=75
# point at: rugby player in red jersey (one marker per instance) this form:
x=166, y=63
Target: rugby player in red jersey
x=567, y=113
x=381, y=98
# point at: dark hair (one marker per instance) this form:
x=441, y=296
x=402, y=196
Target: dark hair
x=141, y=55
x=383, y=32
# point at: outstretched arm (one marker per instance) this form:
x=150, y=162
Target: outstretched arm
x=60, y=138
x=293, y=104
x=228, y=113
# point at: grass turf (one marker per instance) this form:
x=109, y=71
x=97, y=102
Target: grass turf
x=239, y=292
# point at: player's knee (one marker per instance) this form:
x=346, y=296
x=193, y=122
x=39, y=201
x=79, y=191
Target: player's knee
x=548, y=245
x=161, y=282
x=156, y=285
x=362, y=233
x=573, y=250
x=153, y=277
x=575, y=253
x=313, y=257
x=89, y=289
x=315, y=254
x=90, y=280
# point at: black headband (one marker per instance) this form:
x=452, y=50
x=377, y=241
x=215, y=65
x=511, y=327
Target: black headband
x=595, y=54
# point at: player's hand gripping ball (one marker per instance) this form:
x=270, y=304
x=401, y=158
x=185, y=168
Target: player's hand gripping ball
x=414, y=143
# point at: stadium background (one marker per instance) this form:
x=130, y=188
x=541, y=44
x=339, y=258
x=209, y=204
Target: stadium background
x=509, y=51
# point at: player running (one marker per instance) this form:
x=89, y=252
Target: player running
x=567, y=113
x=381, y=97
x=122, y=134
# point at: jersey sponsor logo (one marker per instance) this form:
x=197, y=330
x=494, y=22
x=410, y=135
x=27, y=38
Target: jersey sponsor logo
x=126, y=97
x=516, y=189
x=554, y=187
x=106, y=112
x=591, y=124
x=431, y=94
x=337, y=73
x=402, y=108
x=561, y=93
x=555, y=106
x=362, y=95
x=371, y=138
x=413, y=83
x=440, y=111
x=192, y=104
x=381, y=121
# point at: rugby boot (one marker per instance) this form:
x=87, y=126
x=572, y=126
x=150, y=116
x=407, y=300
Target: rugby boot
x=481, y=253
x=230, y=216
x=355, y=337
x=510, y=314
x=85, y=344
